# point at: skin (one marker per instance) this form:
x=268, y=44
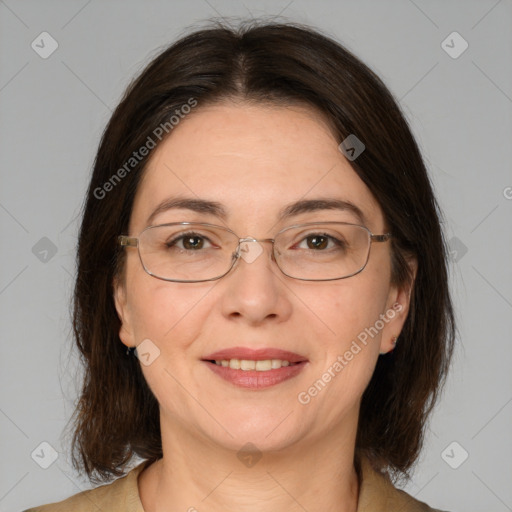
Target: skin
x=254, y=160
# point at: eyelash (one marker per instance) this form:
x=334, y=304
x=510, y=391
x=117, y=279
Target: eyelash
x=182, y=236
x=191, y=234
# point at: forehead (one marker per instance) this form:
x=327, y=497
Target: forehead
x=254, y=160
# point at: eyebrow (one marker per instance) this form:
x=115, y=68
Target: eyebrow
x=184, y=203
x=293, y=209
x=313, y=205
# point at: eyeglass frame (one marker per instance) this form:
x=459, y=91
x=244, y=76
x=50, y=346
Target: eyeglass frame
x=130, y=241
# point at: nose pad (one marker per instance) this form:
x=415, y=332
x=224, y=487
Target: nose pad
x=249, y=250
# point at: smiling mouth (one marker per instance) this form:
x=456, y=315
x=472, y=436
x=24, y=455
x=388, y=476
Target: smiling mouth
x=264, y=365
x=253, y=374
x=250, y=368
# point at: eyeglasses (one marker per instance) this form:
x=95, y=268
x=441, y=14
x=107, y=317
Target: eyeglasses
x=188, y=252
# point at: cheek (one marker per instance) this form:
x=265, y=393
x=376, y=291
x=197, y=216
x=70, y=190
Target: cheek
x=349, y=347
x=166, y=312
x=170, y=316
x=346, y=308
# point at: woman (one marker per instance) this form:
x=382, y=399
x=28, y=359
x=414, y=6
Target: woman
x=258, y=235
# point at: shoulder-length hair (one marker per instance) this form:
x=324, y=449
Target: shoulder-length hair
x=117, y=416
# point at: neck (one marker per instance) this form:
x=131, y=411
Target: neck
x=195, y=475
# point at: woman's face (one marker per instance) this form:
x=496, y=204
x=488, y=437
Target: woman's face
x=255, y=161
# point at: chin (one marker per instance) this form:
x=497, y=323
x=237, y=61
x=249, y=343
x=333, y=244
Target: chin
x=268, y=429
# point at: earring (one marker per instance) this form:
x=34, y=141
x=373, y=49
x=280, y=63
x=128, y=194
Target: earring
x=393, y=341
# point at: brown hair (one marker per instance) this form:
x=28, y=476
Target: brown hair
x=117, y=415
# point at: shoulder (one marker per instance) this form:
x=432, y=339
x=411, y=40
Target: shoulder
x=122, y=495
x=378, y=494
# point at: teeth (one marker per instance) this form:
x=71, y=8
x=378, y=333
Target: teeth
x=234, y=363
x=248, y=364
x=263, y=366
x=245, y=364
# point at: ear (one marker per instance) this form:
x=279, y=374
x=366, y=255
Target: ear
x=397, y=309
x=123, y=312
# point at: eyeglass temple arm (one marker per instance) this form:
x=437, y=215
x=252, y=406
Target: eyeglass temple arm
x=381, y=238
x=128, y=241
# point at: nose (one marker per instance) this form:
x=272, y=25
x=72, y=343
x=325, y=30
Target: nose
x=254, y=291
x=250, y=248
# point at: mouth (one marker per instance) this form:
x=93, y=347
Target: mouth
x=255, y=369
x=263, y=365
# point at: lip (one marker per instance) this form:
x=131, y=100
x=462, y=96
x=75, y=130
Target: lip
x=252, y=379
x=255, y=355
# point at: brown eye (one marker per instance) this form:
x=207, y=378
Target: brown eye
x=193, y=242
x=317, y=241
x=187, y=242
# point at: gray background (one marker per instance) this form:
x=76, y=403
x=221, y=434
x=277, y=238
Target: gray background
x=52, y=114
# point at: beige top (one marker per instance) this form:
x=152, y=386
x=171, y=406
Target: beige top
x=376, y=494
